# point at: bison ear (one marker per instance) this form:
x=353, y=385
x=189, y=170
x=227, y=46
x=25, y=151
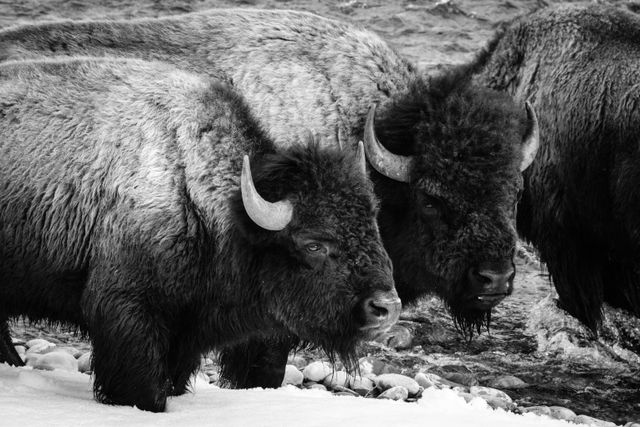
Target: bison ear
x=532, y=140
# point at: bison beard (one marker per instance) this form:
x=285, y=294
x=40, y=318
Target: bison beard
x=151, y=244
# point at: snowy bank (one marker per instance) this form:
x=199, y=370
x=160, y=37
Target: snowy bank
x=58, y=398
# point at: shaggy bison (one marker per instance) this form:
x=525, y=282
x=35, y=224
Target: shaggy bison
x=124, y=211
x=581, y=205
x=448, y=155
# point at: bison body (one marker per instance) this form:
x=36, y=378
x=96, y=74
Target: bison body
x=449, y=158
x=580, y=67
x=121, y=213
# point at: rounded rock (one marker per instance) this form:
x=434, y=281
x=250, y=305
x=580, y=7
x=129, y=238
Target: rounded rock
x=292, y=376
x=395, y=393
x=397, y=337
x=428, y=379
x=489, y=393
x=315, y=386
x=508, y=382
x=84, y=362
x=338, y=378
x=537, y=410
x=317, y=371
x=41, y=347
x=585, y=419
x=461, y=378
x=71, y=350
x=561, y=413
x=21, y=350
x=361, y=385
x=297, y=361
x=37, y=341
x=344, y=391
x=632, y=424
x=387, y=381
x=56, y=360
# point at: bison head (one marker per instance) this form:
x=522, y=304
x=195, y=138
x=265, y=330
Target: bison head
x=310, y=221
x=459, y=152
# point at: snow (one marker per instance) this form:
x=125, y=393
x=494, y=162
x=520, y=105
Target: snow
x=59, y=398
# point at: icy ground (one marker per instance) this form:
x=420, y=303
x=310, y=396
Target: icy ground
x=58, y=398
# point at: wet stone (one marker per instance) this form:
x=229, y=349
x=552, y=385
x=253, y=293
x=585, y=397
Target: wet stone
x=508, y=382
x=397, y=337
x=297, y=361
x=314, y=386
x=461, y=378
x=496, y=403
x=71, y=350
x=361, y=385
x=84, y=362
x=427, y=379
x=387, y=381
x=37, y=341
x=21, y=350
x=317, y=371
x=292, y=376
x=489, y=393
x=538, y=410
x=561, y=413
x=395, y=393
x=41, y=347
x=632, y=424
x=338, y=389
x=585, y=419
x=56, y=360
x=338, y=378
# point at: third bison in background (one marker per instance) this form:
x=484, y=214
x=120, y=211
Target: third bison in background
x=580, y=67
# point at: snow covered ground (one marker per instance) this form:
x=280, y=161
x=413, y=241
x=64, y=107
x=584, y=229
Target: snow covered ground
x=57, y=398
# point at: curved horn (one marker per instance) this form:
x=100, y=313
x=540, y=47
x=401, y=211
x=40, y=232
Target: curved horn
x=388, y=164
x=532, y=141
x=360, y=158
x=270, y=216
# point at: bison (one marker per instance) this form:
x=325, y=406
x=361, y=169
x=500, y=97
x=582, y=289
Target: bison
x=580, y=67
x=447, y=154
x=124, y=212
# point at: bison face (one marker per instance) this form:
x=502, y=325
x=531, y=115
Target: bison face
x=450, y=229
x=324, y=274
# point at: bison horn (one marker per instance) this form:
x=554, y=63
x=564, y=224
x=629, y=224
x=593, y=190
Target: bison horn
x=388, y=164
x=268, y=215
x=360, y=158
x=532, y=141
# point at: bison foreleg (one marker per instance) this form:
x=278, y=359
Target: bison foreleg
x=130, y=350
x=256, y=363
x=183, y=362
x=8, y=351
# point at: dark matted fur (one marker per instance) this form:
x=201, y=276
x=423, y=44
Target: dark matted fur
x=580, y=66
x=120, y=213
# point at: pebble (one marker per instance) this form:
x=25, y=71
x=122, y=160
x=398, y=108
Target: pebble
x=561, y=413
x=427, y=379
x=395, y=393
x=315, y=386
x=84, y=362
x=317, y=371
x=338, y=378
x=496, y=403
x=632, y=424
x=461, y=378
x=292, y=376
x=585, y=419
x=41, y=347
x=388, y=381
x=71, y=350
x=361, y=385
x=489, y=393
x=507, y=382
x=538, y=410
x=397, y=337
x=338, y=389
x=56, y=360
x=21, y=350
x=37, y=341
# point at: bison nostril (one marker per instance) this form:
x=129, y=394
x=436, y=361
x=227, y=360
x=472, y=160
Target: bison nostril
x=492, y=281
x=377, y=310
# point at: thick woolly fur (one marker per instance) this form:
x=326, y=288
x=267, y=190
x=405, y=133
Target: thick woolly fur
x=120, y=213
x=300, y=72
x=580, y=66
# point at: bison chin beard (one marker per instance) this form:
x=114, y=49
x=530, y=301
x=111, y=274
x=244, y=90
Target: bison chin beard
x=467, y=321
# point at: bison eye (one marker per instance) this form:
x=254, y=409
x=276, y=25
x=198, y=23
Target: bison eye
x=313, y=247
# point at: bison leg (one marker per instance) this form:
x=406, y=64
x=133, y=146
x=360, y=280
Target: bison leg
x=184, y=361
x=130, y=346
x=256, y=363
x=8, y=351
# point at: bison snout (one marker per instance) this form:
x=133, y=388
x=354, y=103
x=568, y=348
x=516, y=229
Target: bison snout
x=489, y=286
x=380, y=312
